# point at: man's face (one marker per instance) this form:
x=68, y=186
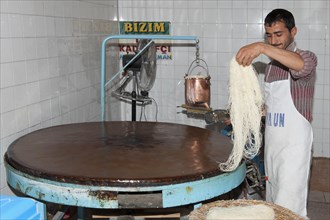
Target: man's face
x=278, y=35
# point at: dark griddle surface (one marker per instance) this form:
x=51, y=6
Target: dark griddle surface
x=120, y=153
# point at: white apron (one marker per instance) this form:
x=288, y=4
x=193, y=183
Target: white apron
x=288, y=146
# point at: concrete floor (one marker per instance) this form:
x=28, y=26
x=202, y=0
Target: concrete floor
x=318, y=207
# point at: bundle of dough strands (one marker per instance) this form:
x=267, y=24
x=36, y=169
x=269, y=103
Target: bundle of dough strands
x=242, y=209
x=245, y=110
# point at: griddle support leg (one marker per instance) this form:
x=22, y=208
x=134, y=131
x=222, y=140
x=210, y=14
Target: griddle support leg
x=134, y=106
x=83, y=213
x=80, y=213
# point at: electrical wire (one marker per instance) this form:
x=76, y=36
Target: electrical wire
x=156, y=109
x=144, y=113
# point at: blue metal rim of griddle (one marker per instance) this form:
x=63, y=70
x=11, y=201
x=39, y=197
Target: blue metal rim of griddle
x=103, y=56
x=173, y=195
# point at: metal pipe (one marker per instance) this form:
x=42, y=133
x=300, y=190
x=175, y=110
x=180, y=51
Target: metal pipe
x=133, y=105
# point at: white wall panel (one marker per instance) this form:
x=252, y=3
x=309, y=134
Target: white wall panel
x=50, y=64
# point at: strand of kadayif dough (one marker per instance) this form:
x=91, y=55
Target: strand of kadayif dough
x=245, y=109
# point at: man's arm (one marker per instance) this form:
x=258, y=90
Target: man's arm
x=248, y=53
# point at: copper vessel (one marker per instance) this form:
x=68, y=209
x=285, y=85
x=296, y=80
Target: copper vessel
x=197, y=86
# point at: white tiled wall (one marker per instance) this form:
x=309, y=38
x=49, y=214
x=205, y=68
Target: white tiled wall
x=222, y=28
x=50, y=64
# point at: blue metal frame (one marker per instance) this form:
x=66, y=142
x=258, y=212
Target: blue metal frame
x=103, y=58
x=84, y=195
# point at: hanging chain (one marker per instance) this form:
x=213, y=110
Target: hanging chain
x=197, y=51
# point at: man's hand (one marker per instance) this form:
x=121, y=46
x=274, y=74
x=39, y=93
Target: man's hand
x=248, y=53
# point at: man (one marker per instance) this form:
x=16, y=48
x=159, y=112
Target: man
x=289, y=89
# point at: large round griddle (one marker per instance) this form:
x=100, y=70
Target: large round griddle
x=115, y=156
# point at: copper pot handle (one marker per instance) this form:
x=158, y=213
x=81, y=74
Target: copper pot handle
x=198, y=65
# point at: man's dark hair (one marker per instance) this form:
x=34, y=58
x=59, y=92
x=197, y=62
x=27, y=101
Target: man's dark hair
x=280, y=15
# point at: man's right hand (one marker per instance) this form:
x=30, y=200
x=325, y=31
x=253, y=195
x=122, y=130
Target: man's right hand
x=248, y=53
